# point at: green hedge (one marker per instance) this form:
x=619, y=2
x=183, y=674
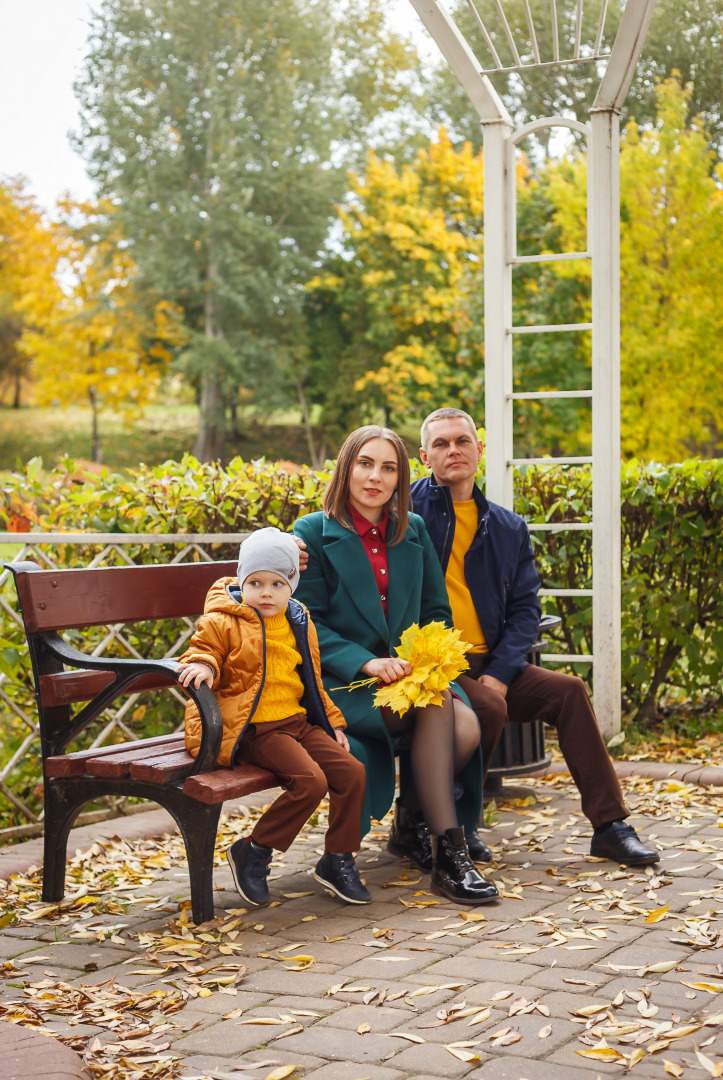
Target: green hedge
x=672, y=554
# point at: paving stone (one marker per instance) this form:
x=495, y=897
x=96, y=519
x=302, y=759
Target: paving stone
x=207, y=1063
x=217, y=1004
x=349, y=1070
x=519, y=1068
x=638, y=956
x=471, y=969
x=278, y=980
x=555, y=979
x=567, y=1056
x=332, y=1044
x=226, y=1038
x=389, y=964
x=380, y=1018
x=563, y=1004
x=433, y=1059
x=29, y=1055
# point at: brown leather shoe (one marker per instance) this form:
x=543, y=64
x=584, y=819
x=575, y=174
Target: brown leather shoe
x=621, y=843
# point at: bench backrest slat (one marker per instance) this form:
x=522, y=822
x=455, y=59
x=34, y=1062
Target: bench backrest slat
x=61, y=599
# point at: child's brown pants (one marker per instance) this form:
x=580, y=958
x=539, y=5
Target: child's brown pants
x=308, y=763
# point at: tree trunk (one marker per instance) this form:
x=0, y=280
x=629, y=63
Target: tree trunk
x=649, y=705
x=316, y=455
x=96, y=453
x=210, y=442
x=17, y=388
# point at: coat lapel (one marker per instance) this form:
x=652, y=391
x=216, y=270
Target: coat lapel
x=345, y=552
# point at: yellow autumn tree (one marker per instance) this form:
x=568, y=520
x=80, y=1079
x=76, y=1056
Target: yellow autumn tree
x=671, y=264
x=104, y=341
x=28, y=261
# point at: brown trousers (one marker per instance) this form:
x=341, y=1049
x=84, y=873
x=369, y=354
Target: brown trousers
x=308, y=763
x=561, y=701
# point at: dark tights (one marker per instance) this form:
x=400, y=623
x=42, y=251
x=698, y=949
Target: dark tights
x=442, y=738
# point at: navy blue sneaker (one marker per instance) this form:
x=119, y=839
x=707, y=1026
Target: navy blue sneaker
x=249, y=864
x=339, y=874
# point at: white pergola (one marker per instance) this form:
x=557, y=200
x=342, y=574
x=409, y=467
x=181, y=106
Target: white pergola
x=603, y=249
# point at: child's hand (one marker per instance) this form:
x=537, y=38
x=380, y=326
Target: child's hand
x=196, y=673
x=387, y=668
x=342, y=739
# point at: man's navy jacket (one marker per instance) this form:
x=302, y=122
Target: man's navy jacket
x=499, y=568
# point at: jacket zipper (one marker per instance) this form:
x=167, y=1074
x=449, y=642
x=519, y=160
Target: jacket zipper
x=258, y=692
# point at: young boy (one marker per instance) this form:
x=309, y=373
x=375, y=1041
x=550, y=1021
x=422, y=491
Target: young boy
x=258, y=650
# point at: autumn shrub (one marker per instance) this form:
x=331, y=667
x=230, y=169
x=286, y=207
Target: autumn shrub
x=672, y=520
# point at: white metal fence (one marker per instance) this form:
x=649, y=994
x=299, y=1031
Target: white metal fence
x=20, y=768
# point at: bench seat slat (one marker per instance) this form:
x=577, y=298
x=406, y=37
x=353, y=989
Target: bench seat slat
x=215, y=787
x=114, y=765
x=161, y=770
x=74, y=764
x=68, y=687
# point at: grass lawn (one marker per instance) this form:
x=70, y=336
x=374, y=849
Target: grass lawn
x=162, y=433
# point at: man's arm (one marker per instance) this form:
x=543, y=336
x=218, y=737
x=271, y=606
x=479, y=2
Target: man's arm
x=522, y=618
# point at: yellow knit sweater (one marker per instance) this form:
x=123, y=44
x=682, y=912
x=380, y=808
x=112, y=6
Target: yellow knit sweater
x=283, y=688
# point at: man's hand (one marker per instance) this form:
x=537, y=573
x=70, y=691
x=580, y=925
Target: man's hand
x=197, y=673
x=387, y=668
x=303, y=553
x=342, y=739
x=494, y=684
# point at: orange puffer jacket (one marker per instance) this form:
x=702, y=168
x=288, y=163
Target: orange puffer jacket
x=230, y=638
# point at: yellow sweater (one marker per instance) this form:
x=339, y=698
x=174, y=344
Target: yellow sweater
x=283, y=688
x=464, y=615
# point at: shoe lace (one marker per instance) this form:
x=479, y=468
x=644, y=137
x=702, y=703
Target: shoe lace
x=461, y=858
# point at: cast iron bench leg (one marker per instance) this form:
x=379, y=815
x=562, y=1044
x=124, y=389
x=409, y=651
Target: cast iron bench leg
x=61, y=809
x=198, y=823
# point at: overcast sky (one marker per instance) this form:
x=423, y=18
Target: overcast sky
x=41, y=50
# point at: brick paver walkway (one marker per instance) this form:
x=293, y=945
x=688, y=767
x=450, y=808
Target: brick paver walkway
x=582, y=969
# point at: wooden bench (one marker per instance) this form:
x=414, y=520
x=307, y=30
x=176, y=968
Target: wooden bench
x=159, y=769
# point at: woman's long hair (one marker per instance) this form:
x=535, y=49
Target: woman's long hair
x=336, y=495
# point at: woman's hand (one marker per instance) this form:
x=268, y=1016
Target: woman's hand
x=196, y=673
x=342, y=739
x=303, y=553
x=388, y=668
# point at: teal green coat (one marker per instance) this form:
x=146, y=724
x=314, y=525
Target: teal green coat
x=340, y=591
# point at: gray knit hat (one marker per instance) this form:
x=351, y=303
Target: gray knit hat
x=269, y=549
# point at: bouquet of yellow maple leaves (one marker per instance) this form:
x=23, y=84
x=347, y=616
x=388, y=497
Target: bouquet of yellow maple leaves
x=437, y=656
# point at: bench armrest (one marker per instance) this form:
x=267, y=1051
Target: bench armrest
x=126, y=672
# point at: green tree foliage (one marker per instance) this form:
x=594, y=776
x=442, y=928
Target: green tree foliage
x=388, y=316
x=220, y=130
x=671, y=262
x=683, y=37
x=396, y=321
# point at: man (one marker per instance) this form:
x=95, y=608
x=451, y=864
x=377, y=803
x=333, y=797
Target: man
x=486, y=554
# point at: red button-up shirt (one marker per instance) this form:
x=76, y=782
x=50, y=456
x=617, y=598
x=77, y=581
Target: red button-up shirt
x=374, y=541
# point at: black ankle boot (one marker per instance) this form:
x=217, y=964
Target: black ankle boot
x=409, y=837
x=453, y=873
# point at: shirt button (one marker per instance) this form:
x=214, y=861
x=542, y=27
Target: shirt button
x=382, y=597
x=375, y=551
x=382, y=571
x=374, y=532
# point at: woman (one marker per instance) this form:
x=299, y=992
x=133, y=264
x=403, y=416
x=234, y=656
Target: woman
x=372, y=572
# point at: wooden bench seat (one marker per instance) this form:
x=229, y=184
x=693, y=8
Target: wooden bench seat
x=158, y=768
